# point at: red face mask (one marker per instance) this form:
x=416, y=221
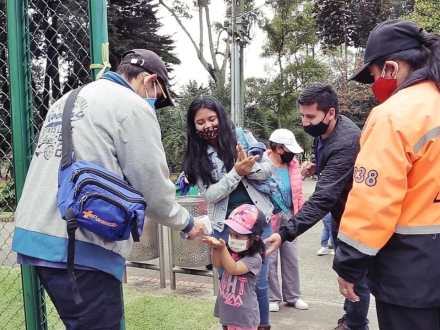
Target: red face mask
x=383, y=88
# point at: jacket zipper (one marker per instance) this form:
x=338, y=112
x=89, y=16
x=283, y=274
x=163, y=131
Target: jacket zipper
x=79, y=171
x=98, y=183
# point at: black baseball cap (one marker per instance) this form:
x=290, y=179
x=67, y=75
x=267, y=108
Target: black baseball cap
x=153, y=64
x=387, y=38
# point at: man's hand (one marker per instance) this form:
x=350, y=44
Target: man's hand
x=197, y=230
x=214, y=242
x=308, y=169
x=275, y=242
x=346, y=289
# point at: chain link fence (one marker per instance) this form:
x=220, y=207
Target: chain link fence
x=57, y=44
x=11, y=301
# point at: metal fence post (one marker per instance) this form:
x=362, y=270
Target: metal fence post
x=98, y=37
x=98, y=31
x=21, y=114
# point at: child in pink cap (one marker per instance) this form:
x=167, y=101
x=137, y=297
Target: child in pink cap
x=242, y=257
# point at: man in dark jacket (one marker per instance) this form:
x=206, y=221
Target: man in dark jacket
x=335, y=148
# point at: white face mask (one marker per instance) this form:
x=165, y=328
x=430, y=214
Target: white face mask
x=237, y=245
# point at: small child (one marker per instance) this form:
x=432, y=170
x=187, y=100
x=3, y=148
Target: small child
x=237, y=305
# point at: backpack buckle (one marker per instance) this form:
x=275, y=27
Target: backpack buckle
x=72, y=225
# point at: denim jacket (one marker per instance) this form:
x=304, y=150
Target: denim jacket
x=217, y=194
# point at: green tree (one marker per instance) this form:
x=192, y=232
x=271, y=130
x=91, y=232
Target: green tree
x=259, y=116
x=427, y=14
x=134, y=24
x=349, y=22
x=401, y=8
x=291, y=38
x=355, y=100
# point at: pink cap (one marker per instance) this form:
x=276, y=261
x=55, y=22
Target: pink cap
x=246, y=219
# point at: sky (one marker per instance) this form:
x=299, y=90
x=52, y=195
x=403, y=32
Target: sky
x=190, y=67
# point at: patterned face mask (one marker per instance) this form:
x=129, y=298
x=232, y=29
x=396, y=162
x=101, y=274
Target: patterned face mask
x=209, y=133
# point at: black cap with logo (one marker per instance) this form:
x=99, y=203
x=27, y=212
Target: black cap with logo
x=153, y=64
x=387, y=38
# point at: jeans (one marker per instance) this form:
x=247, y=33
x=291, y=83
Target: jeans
x=356, y=312
x=326, y=231
x=262, y=286
x=102, y=306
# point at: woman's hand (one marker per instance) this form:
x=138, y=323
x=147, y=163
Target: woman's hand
x=244, y=164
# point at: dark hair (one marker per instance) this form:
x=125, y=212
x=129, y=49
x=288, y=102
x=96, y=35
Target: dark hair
x=427, y=56
x=273, y=145
x=133, y=71
x=257, y=246
x=129, y=70
x=197, y=164
x=323, y=94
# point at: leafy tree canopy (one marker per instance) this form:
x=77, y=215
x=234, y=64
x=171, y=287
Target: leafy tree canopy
x=134, y=24
x=427, y=14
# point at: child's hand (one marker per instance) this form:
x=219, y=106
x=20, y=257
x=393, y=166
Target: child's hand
x=214, y=242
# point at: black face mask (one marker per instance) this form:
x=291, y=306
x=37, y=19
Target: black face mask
x=318, y=129
x=287, y=156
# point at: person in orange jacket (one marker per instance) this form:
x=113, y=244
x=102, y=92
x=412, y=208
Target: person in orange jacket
x=391, y=221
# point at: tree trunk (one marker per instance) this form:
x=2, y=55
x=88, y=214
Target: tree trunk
x=216, y=71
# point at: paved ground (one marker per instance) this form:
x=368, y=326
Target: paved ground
x=318, y=284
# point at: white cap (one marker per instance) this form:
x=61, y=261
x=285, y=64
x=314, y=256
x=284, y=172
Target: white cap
x=286, y=137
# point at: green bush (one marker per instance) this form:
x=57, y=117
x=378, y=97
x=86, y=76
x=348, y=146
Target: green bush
x=7, y=196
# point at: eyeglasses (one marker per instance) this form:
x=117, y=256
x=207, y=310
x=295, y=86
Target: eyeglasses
x=160, y=86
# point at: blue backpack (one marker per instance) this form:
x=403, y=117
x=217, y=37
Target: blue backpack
x=93, y=198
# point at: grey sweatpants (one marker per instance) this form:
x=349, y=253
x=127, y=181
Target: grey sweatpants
x=288, y=252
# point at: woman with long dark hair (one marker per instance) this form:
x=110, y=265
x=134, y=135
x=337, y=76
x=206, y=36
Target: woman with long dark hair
x=226, y=176
x=391, y=222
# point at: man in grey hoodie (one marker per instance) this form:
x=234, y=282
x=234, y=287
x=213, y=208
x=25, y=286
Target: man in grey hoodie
x=114, y=125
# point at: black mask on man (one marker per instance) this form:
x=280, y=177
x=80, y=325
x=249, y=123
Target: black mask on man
x=287, y=156
x=318, y=129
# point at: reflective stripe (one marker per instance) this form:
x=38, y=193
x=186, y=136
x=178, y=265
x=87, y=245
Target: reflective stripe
x=431, y=134
x=417, y=230
x=358, y=246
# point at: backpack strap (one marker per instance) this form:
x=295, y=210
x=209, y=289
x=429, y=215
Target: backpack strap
x=72, y=225
x=280, y=204
x=134, y=229
x=239, y=133
x=66, y=133
x=67, y=160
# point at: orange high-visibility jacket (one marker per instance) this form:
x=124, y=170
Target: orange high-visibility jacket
x=392, y=216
